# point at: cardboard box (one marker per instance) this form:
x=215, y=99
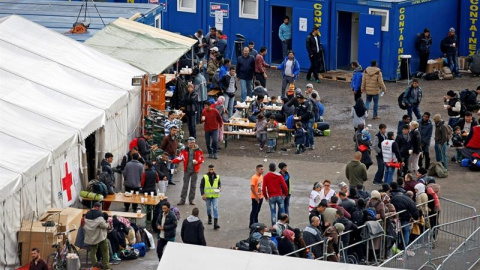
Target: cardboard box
x=435, y=65
x=26, y=247
x=69, y=218
x=462, y=63
x=35, y=235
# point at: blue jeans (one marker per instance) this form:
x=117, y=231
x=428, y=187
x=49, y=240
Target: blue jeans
x=255, y=210
x=214, y=202
x=415, y=110
x=308, y=125
x=229, y=101
x=262, y=138
x=211, y=139
x=286, y=204
x=272, y=202
x=272, y=142
x=406, y=233
x=375, y=103
x=380, y=171
x=452, y=63
x=246, y=86
x=389, y=172
x=286, y=45
x=441, y=154
x=452, y=121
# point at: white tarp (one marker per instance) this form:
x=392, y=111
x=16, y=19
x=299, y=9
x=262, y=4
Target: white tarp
x=54, y=92
x=143, y=46
x=220, y=259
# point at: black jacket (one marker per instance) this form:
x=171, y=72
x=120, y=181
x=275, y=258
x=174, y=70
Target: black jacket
x=312, y=45
x=403, y=145
x=170, y=224
x=127, y=158
x=349, y=225
x=446, y=42
x=162, y=169
x=106, y=167
x=461, y=123
x=193, y=231
x=423, y=43
x=190, y=101
x=426, y=131
x=143, y=148
x=286, y=246
x=245, y=67
x=403, y=202
x=305, y=110
x=150, y=183
x=416, y=141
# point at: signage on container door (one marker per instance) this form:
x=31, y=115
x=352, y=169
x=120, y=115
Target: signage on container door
x=401, y=27
x=473, y=18
x=224, y=8
x=302, y=24
x=317, y=16
x=219, y=20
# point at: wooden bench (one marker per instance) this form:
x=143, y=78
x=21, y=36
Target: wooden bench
x=129, y=215
x=212, y=93
x=236, y=133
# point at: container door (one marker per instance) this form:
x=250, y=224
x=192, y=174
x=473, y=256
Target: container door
x=220, y=22
x=369, y=39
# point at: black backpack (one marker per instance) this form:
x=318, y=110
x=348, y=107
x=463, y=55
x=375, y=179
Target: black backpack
x=264, y=246
x=358, y=217
x=432, y=76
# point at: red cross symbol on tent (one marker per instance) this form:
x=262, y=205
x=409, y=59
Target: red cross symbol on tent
x=67, y=183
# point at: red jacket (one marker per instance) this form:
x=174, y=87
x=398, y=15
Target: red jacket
x=213, y=120
x=274, y=185
x=183, y=156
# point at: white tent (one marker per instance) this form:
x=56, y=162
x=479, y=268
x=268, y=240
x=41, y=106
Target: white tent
x=54, y=93
x=179, y=256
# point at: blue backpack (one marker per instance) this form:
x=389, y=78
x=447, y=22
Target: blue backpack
x=290, y=122
x=142, y=249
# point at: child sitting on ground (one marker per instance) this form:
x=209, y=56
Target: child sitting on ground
x=457, y=142
x=272, y=134
x=261, y=129
x=273, y=101
x=300, y=138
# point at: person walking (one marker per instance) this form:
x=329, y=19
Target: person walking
x=391, y=155
x=426, y=131
x=192, y=230
x=412, y=98
x=441, y=140
x=372, y=84
x=314, y=49
x=423, y=44
x=261, y=67
x=286, y=176
x=167, y=224
x=274, y=190
x=245, y=72
x=291, y=69
x=192, y=158
x=96, y=229
x=359, y=113
x=377, y=146
x=356, y=82
x=256, y=194
x=285, y=35
x=448, y=46
x=356, y=172
x=210, y=188
x=132, y=175
x=212, y=122
x=229, y=87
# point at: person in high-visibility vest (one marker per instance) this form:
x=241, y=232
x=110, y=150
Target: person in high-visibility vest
x=210, y=190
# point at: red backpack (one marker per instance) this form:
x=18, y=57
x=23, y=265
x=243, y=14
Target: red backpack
x=134, y=143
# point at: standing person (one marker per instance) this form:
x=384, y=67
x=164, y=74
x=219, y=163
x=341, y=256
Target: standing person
x=372, y=84
x=37, y=262
x=166, y=224
x=210, y=187
x=256, y=194
x=192, y=158
x=274, y=190
x=359, y=113
x=314, y=48
x=200, y=86
x=401, y=203
x=377, y=146
x=107, y=176
x=404, y=143
x=426, y=131
x=327, y=192
x=95, y=229
x=300, y=138
x=133, y=175
x=144, y=148
x=390, y=154
x=412, y=98
x=285, y=35
x=312, y=235
x=162, y=168
x=356, y=172
x=314, y=196
x=423, y=43
x=441, y=140
x=191, y=99
x=454, y=106
x=150, y=179
x=211, y=38
x=200, y=48
x=170, y=122
x=260, y=67
x=356, y=82
x=192, y=230
x=416, y=147
x=362, y=139
x=245, y=72
x=212, y=121
x=229, y=87
x=221, y=43
x=286, y=176
x=306, y=116
x=129, y=157
x=170, y=145
x=449, y=47
x=253, y=52
x=291, y=69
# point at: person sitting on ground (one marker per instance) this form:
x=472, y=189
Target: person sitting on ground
x=259, y=90
x=321, y=108
x=261, y=130
x=266, y=245
x=300, y=138
x=466, y=123
x=273, y=101
x=474, y=61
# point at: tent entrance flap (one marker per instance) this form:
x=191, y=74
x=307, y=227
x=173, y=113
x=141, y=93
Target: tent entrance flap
x=91, y=156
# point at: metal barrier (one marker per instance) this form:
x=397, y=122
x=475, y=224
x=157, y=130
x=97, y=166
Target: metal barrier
x=452, y=210
x=465, y=256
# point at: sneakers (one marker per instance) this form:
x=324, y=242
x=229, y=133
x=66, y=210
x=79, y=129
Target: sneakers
x=317, y=81
x=377, y=183
x=181, y=203
x=410, y=253
x=309, y=79
x=210, y=155
x=376, y=117
x=312, y=147
x=115, y=257
x=171, y=183
x=215, y=156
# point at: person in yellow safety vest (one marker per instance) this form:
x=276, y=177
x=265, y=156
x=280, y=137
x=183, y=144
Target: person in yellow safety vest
x=210, y=189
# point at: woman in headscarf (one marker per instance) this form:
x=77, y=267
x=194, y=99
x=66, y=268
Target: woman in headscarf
x=359, y=113
x=285, y=243
x=315, y=197
x=219, y=105
x=299, y=243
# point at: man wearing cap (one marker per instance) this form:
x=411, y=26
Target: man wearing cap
x=412, y=98
x=192, y=158
x=213, y=64
x=210, y=187
x=449, y=47
x=309, y=91
x=423, y=43
x=212, y=121
x=306, y=115
x=314, y=49
x=286, y=177
x=245, y=72
x=274, y=190
x=356, y=172
x=96, y=228
x=169, y=145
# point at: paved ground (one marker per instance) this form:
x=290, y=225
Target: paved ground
x=237, y=163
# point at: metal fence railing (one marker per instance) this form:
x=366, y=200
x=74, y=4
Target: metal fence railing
x=452, y=211
x=466, y=256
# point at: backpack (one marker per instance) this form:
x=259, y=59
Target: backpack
x=446, y=74
x=97, y=187
x=432, y=76
x=141, y=247
x=264, y=246
x=400, y=101
x=129, y=254
x=437, y=168
x=133, y=143
x=464, y=95
x=290, y=122
x=176, y=212
x=105, y=178
x=357, y=217
x=475, y=165
x=372, y=211
x=449, y=131
x=316, y=110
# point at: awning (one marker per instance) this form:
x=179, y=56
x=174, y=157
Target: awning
x=145, y=47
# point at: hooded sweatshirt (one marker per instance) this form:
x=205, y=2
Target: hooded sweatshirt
x=95, y=228
x=356, y=173
x=193, y=231
x=421, y=198
x=372, y=81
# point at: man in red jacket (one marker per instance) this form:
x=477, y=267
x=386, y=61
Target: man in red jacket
x=212, y=122
x=274, y=190
x=192, y=158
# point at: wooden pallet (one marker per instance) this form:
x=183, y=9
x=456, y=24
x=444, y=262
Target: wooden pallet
x=337, y=76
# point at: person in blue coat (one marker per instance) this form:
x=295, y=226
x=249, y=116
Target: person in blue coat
x=412, y=99
x=356, y=82
x=291, y=69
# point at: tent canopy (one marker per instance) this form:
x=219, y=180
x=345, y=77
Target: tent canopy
x=220, y=259
x=145, y=47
